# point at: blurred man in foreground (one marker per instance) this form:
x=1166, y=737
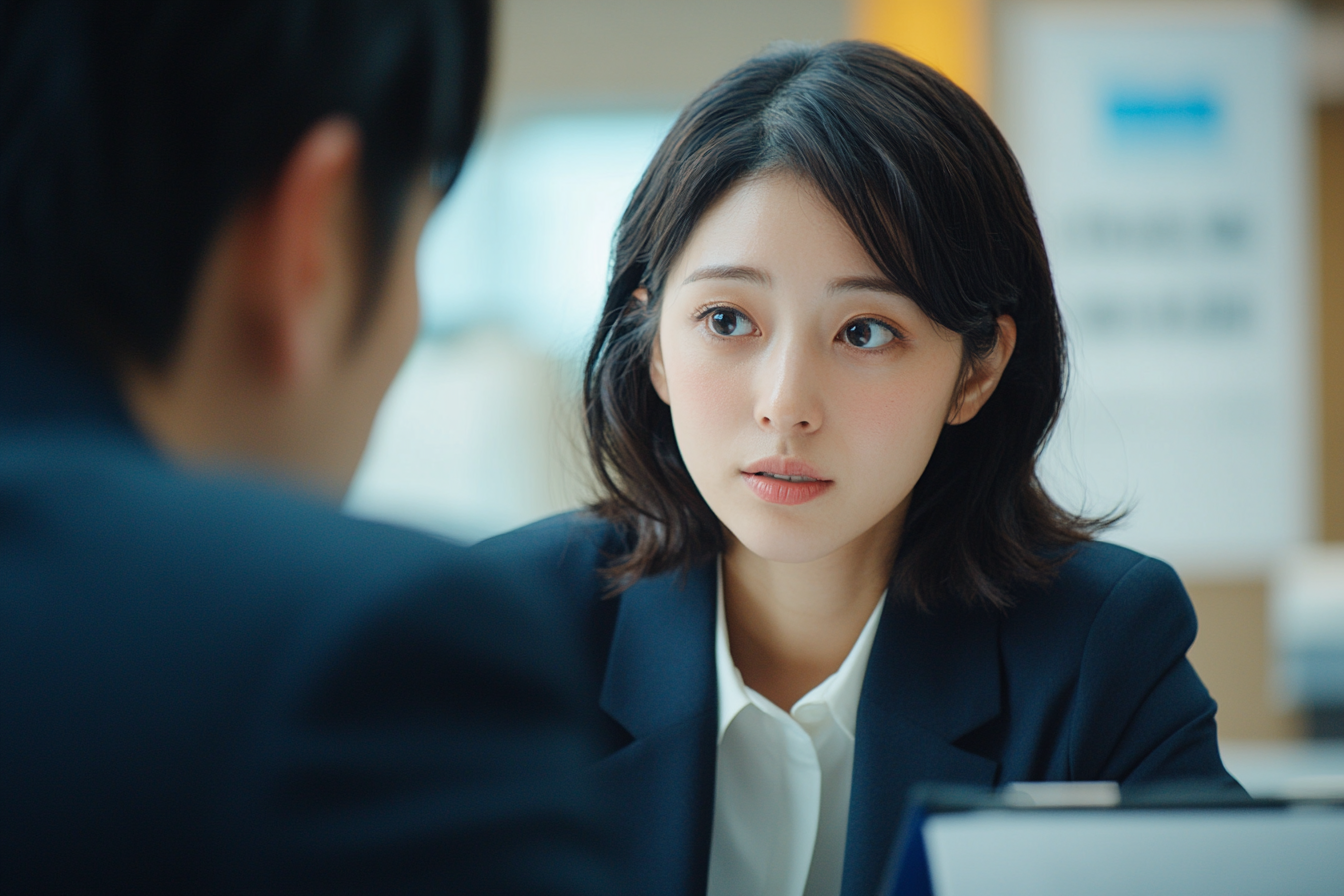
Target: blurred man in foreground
x=209, y=679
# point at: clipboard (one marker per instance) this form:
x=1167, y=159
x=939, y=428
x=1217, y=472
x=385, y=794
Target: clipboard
x=1089, y=839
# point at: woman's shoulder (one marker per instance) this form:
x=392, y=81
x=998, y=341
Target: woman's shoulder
x=571, y=548
x=1105, y=587
x=1098, y=569
x=1098, y=676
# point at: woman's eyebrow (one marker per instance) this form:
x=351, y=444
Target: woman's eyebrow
x=864, y=284
x=729, y=272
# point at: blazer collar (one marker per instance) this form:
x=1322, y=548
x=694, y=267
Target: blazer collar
x=936, y=671
x=660, y=669
x=932, y=679
x=660, y=686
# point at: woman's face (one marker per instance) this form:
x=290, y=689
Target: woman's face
x=806, y=393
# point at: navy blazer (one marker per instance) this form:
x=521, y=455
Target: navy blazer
x=1084, y=679
x=208, y=686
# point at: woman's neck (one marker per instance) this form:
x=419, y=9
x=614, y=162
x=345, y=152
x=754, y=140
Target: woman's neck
x=791, y=625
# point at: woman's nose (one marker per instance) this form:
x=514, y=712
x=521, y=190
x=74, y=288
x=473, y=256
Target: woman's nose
x=789, y=390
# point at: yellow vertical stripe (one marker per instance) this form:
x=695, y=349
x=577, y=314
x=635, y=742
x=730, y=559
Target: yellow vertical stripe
x=950, y=35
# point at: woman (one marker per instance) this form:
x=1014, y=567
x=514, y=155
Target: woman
x=822, y=564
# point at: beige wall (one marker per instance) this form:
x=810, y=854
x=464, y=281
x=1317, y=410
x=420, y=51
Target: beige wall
x=1233, y=657
x=574, y=53
x=1330, y=248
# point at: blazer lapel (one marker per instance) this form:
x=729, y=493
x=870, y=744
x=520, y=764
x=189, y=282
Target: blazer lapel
x=660, y=686
x=931, y=679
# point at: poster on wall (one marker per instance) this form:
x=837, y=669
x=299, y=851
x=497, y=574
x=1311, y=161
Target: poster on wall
x=1165, y=149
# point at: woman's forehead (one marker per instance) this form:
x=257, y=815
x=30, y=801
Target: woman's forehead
x=769, y=226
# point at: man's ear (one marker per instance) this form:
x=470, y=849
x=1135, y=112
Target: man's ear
x=984, y=377
x=304, y=277
x=657, y=373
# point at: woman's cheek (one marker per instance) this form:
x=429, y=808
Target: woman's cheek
x=708, y=399
x=893, y=426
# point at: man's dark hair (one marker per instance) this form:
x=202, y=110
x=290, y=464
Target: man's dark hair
x=931, y=190
x=130, y=130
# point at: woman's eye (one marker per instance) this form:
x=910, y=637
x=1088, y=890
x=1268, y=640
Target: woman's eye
x=868, y=334
x=726, y=322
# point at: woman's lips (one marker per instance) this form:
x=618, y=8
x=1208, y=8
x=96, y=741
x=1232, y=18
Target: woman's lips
x=784, y=466
x=782, y=491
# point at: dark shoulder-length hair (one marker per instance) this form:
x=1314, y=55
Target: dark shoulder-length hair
x=931, y=190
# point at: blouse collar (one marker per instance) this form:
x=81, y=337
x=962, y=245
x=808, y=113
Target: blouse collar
x=839, y=693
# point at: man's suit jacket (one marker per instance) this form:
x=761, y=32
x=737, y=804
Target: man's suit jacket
x=1085, y=679
x=210, y=686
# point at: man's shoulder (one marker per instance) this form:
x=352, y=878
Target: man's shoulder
x=198, y=641
x=556, y=533
x=138, y=519
x=569, y=549
x=178, y=573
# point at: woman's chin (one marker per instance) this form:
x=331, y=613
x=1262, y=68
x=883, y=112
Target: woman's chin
x=787, y=544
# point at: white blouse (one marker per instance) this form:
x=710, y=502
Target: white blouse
x=781, y=792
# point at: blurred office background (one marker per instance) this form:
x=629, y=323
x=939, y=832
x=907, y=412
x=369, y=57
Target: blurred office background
x=1187, y=162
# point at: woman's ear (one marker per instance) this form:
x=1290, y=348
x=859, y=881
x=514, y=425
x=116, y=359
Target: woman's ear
x=657, y=375
x=984, y=378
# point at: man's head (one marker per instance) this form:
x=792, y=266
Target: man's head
x=219, y=200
